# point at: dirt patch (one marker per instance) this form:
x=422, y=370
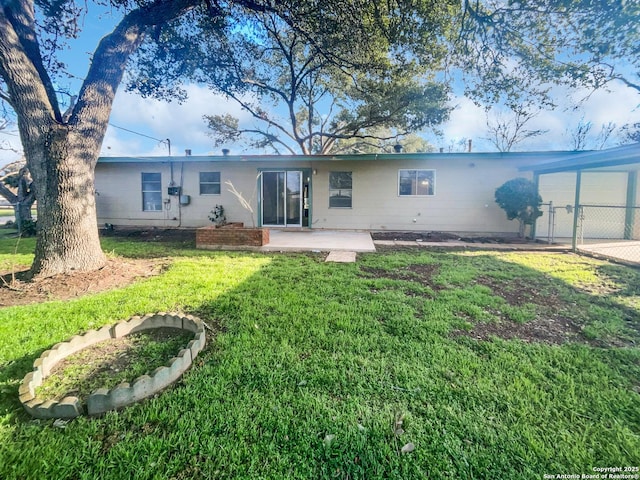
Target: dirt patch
x=444, y=237
x=553, y=331
x=420, y=273
x=16, y=289
x=518, y=292
x=415, y=236
x=182, y=235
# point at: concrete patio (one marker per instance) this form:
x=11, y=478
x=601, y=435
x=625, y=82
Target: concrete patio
x=318, y=240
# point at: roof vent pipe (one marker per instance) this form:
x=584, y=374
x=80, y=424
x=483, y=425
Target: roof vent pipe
x=187, y=152
x=397, y=148
x=469, y=145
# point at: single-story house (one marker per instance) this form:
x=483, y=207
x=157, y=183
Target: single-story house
x=400, y=192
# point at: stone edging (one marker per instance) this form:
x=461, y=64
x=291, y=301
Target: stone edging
x=103, y=400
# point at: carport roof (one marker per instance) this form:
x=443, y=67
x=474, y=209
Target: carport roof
x=625, y=158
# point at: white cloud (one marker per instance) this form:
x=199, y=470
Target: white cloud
x=620, y=105
x=181, y=123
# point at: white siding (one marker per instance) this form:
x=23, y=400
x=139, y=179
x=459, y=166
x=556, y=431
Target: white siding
x=120, y=198
x=463, y=201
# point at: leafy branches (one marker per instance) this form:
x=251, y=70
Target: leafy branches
x=520, y=200
x=321, y=102
x=517, y=50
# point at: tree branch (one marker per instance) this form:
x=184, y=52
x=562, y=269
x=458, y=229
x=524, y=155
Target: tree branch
x=92, y=110
x=7, y=194
x=6, y=98
x=18, y=18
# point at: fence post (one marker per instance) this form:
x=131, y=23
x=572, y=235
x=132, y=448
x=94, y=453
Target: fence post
x=576, y=212
x=551, y=223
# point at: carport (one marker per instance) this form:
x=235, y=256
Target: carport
x=607, y=221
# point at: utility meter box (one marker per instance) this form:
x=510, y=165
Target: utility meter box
x=174, y=190
x=185, y=199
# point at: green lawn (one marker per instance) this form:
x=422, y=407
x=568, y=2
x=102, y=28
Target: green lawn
x=326, y=370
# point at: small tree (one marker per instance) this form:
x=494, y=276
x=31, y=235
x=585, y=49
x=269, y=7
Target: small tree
x=16, y=186
x=519, y=198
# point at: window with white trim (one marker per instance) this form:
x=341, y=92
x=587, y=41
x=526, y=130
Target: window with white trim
x=151, y=192
x=416, y=183
x=209, y=183
x=340, y=189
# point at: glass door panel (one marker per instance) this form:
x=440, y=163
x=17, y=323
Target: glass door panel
x=294, y=198
x=282, y=198
x=273, y=198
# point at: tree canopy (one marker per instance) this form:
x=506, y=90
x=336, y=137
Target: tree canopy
x=516, y=50
x=302, y=99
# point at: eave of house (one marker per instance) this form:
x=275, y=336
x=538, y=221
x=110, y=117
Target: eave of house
x=520, y=157
x=625, y=158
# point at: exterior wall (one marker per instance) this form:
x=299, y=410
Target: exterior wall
x=463, y=201
x=119, y=198
x=597, y=188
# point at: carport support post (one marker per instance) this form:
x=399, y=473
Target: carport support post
x=536, y=182
x=576, y=212
x=629, y=216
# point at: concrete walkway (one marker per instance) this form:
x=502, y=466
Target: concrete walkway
x=627, y=251
x=319, y=241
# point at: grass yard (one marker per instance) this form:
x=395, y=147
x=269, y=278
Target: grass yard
x=407, y=365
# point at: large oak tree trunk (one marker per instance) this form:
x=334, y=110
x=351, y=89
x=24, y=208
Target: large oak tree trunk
x=61, y=149
x=67, y=225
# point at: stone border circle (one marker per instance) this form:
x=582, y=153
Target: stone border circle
x=103, y=399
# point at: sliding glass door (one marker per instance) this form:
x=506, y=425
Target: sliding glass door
x=282, y=198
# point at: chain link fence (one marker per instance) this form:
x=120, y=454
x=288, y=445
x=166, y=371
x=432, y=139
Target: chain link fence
x=609, y=230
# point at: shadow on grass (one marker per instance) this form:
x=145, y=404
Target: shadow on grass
x=315, y=363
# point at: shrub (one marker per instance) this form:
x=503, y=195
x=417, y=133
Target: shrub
x=520, y=200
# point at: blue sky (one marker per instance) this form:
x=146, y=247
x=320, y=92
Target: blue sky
x=184, y=126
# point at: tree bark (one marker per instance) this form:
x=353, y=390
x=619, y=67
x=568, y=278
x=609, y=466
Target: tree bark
x=61, y=152
x=68, y=237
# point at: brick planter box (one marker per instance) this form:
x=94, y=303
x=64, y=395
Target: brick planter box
x=231, y=235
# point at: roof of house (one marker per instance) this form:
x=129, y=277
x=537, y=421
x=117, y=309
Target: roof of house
x=532, y=157
x=624, y=158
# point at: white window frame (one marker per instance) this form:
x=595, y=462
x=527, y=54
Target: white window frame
x=144, y=192
x=219, y=183
x=417, y=172
x=350, y=190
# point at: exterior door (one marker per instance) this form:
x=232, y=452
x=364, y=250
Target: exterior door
x=282, y=198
